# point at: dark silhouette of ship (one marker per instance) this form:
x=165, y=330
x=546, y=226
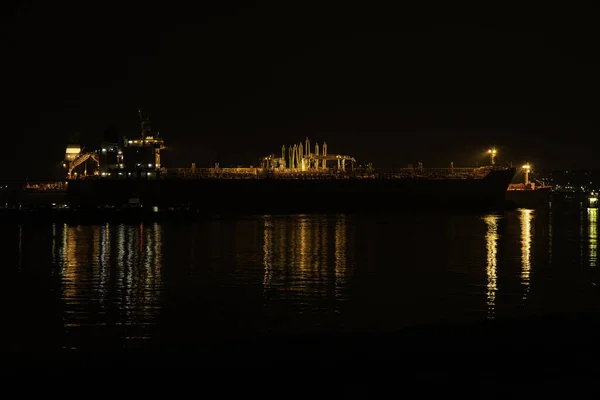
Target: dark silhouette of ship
x=303, y=178
x=528, y=194
x=287, y=195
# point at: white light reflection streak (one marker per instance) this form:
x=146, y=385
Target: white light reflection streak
x=525, y=218
x=157, y=250
x=491, y=240
x=104, y=260
x=132, y=256
x=121, y=257
x=53, y=242
x=157, y=260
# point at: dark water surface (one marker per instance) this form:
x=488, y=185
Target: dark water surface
x=116, y=286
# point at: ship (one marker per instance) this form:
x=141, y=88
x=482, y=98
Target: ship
x=528, y=194
x=302, y=178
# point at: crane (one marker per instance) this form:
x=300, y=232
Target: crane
x=80, y=159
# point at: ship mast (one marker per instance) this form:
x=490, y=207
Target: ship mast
x=145, y=125
x=526, y=169
x=492, y=152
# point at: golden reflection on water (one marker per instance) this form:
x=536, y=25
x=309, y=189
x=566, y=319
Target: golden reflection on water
x=111, y=265
x=295, y=256
x=267, y=252
x=525, y=219
x=491, y=240
x=593, y=236
x=71, y=269
x=340, y=255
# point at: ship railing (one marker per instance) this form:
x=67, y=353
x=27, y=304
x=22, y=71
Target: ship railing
x=46, y=187
x=223, y=173
x=257, y=173
x=435, y=173
x=441, y=173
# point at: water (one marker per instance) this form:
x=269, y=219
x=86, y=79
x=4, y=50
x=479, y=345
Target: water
x=114, y=286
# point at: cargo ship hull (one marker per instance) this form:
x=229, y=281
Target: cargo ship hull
x=534, y=198
x=295, y=195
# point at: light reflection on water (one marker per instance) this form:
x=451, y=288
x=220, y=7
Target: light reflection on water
x=127, y=280
x=110, y=275
x=526, y=218
x=592, y=236
x=491, y=241
x=296, y=258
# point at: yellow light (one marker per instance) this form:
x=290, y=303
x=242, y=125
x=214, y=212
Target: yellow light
x=491, y=239
x=593, y=236
x=73, y=150
x=526, y=166
x=526, y=218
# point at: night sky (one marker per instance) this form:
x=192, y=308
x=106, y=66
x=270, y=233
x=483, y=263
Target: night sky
x=231, y=82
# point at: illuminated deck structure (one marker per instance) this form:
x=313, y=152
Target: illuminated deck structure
x=134, y=157
x=528, y=194
x=301, y=179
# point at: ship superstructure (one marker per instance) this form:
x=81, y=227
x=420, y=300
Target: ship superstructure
x=529, y=194
x=300, y=178
x=127, y=157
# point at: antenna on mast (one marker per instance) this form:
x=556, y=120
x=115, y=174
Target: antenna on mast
x=145, y=124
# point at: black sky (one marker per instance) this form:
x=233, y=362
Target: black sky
x=233, y=82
